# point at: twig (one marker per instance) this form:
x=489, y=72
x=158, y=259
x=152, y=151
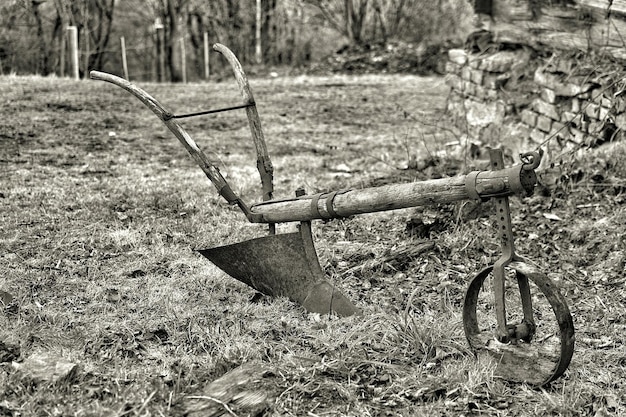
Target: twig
x=145, y=403
x=215, y=400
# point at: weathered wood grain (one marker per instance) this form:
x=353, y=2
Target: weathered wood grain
x=394, y=196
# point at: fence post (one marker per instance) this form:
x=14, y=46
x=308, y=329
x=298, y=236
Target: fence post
x=74, y=50
x=258, y=51
x=206, y=55
x=124, y=62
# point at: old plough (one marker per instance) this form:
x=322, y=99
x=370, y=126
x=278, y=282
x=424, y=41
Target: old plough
x=286, y=264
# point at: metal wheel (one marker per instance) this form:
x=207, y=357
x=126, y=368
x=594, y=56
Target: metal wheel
x=542, y=354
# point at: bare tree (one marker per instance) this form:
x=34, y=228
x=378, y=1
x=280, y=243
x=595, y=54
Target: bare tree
x=175, y=16
x=58, y=34
x=346, y=16
x=24, y=27
x=94, y=19
x=226, y=21
x=293, y=32
x=43, y=59
x=365, y=21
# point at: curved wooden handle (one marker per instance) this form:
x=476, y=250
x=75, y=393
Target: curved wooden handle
x=264, y=164
x=211, y=171
x=240, y=75
x=145, y=98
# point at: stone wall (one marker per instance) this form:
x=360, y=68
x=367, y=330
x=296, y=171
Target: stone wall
x=478, y=102
x=523, y=92
x=540, y=104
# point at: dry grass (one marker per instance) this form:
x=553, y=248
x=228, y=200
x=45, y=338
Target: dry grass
x=101, y=209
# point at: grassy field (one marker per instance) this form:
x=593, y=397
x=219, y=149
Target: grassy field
x=101, y=210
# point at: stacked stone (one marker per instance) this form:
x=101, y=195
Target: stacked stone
x=480, y=77
x=476, y=98
x=571, y=109
x=559, y=105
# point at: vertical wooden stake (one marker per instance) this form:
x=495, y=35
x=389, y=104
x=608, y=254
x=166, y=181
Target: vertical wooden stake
x=206, y=55
x=258, y=52
x=124, y=62
x=73, y=32
x=183, y=59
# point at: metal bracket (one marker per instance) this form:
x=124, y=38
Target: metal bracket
x=504, y=231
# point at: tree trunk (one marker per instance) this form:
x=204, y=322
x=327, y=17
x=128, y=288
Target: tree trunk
x=59, y=35
x=348, y=13
x=173, y=40
x=58, y=44
x=269, y=32
x=358, y=21
x=197, y=29
x=380, y=17
x=104, y=23
x=42, y=62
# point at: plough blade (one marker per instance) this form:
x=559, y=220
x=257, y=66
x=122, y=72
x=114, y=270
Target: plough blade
x=283, y=265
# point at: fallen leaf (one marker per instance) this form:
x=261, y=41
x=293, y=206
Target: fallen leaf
x=137, y=273
x=8, y=352
x=249, y=389
x=551, y=216
x=46, y=367
x=5, y=298
x=113, y=295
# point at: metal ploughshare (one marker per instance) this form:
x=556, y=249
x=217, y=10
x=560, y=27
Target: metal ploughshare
x=529, y=331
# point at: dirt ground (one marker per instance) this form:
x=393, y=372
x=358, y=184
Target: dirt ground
x=101, y=210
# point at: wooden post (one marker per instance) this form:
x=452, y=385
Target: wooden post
x=73, y=32
x=206, y=55
x=124, y=62
x=160, y=40
x=183, y=59
x=258, y=52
